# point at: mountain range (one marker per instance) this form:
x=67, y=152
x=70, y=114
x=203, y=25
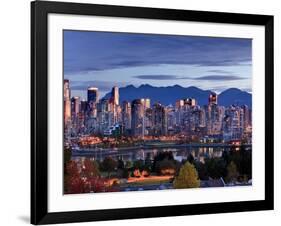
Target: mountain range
x=170, y=94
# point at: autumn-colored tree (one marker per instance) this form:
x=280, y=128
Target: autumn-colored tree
x=90, y=168
x=232, y=172
x=72, y=168
x=137, y=173
x=73, y=183
x=187, y=178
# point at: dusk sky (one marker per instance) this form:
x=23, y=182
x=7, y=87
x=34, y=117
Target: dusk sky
x=105, y=59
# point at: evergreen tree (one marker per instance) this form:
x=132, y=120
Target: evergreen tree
x=187, y=178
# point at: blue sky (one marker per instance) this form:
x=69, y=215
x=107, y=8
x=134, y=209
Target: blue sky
x=105, y=59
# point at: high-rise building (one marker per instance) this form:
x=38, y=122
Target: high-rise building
x=103, y=114
x=66, y=89
x=171, y=119
x=137, y=124
x=190, y=102
x=213, y=98
x=126, y=114
x=67, y=103
x=75, y=106
x=247, y=116
x=93, y=99
x=214, y=118
x=233, y=126
x=93, y=95
x=115, y=95
x=75, y=115
x=179, y=104
x=83, y=106
x=159, y=117
x=145, y=102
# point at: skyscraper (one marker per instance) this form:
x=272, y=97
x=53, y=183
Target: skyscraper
x=190, y=102
x=126, y=114
x=93, y=99
x=213, y=98
x=66, y=101
x=137, y=118
x=115, y=95
x=145, y=102
x=75, y=113
x=159, y=117
x=103, y=108
x=75, y=106
x=179, y=104
x=93, y=95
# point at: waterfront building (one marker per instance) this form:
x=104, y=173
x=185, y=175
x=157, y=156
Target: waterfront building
x=146, y=103
x=213, y=98
x=190, y=102
x=75, y=115
x=93, y=95
x=115, y=95
x=103, y=114
x=83, y=106
x=67, y=105
x=126, y=115
x=171, y=120
x=137, y=112
x=214, y=115
x=179, y=104
x=159, y=118
x=233, y=127
x=75, y=106
x=93, y=99
x=148, y=122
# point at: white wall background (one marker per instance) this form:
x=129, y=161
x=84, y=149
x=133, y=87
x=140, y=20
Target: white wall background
x=15, y=113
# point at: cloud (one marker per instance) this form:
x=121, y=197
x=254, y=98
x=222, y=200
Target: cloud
x=95, y=51
x=159, y=77
x=220, y=71
x=249, y=90
x=219, y=78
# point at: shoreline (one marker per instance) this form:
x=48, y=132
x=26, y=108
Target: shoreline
x=92, y=151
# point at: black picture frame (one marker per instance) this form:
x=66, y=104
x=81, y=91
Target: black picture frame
x=39, y=112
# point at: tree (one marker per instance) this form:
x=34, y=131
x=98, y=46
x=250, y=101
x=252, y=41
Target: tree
x=128, y=165
x=90, y=168
x=120, y=164
x=139, y=164
x=187, y=178
x=73, y=184
x=202, y=170
x=66, y=155
x=166, y=167
x=137, y=173
x=216, y=168
x=160, y=156
x=190, y=158
x=232, y=172
x=109, y=164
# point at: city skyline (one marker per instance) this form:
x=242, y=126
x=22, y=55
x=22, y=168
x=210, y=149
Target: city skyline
x=106, y=59
x=140, y=117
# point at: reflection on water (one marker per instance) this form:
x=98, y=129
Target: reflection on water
x=199, y=153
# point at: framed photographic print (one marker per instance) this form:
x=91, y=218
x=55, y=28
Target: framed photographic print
x=145, y=112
